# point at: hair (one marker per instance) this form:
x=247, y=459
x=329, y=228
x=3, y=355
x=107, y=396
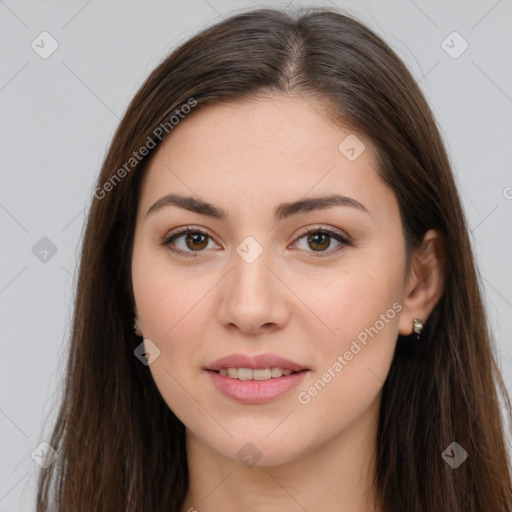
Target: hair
x=120, y=446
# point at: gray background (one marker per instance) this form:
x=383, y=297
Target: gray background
x=58, y=115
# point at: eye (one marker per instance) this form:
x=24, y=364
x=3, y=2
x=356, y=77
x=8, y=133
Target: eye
x=320, y=239
x=195, y=240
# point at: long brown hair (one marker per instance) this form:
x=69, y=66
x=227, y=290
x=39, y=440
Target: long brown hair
x=120, y=446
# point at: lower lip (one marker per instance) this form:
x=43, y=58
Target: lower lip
x=256, y=391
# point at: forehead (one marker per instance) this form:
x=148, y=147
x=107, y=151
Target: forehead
x=281, y=147
x=280, y=123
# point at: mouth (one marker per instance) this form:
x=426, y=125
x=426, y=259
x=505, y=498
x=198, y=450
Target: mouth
x=258, y=374
x=255, y=378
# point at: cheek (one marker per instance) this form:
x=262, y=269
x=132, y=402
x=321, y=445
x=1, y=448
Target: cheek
x=170, y=309
x=361, y=309
x=166, y=299
x=356, y=298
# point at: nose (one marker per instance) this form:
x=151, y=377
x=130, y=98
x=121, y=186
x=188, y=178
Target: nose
x=254, y=297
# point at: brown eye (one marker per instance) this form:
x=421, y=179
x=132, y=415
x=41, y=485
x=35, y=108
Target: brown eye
x=320, y=240
x=196, y=241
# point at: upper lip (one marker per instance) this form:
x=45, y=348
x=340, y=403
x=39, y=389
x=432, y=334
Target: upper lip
x=254, y=362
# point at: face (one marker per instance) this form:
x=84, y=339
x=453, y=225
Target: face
x=320, y=287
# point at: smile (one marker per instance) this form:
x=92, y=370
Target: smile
x=255, y=374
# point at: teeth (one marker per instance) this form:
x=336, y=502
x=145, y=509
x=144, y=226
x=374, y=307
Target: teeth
x=258, y=374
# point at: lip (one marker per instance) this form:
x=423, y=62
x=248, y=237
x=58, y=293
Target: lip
x=255, y=391
x=254, y=362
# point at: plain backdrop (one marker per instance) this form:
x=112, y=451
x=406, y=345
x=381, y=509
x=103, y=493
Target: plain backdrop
x=58, y=113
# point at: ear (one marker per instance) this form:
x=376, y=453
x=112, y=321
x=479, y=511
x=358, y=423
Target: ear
x=425, y=282
x=137, y=331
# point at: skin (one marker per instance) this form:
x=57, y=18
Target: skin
x=247, y=158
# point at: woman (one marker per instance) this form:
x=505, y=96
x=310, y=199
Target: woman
x=277, y=305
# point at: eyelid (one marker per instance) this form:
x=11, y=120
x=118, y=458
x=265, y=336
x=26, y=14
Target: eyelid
x=341, y=237
x=327, y=229
x=183, y=230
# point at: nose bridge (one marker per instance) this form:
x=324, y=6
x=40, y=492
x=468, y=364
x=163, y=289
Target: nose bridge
x=252, y=296
x=251, y=277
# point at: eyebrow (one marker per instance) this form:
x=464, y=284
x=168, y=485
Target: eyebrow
x=282, y=211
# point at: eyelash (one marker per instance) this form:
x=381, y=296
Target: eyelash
x=344, y=242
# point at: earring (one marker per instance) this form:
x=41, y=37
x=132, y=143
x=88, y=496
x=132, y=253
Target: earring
x=134, y=326
x=417, y=326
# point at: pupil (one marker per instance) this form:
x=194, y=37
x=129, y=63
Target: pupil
x=323, y=235
x=196, y=239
